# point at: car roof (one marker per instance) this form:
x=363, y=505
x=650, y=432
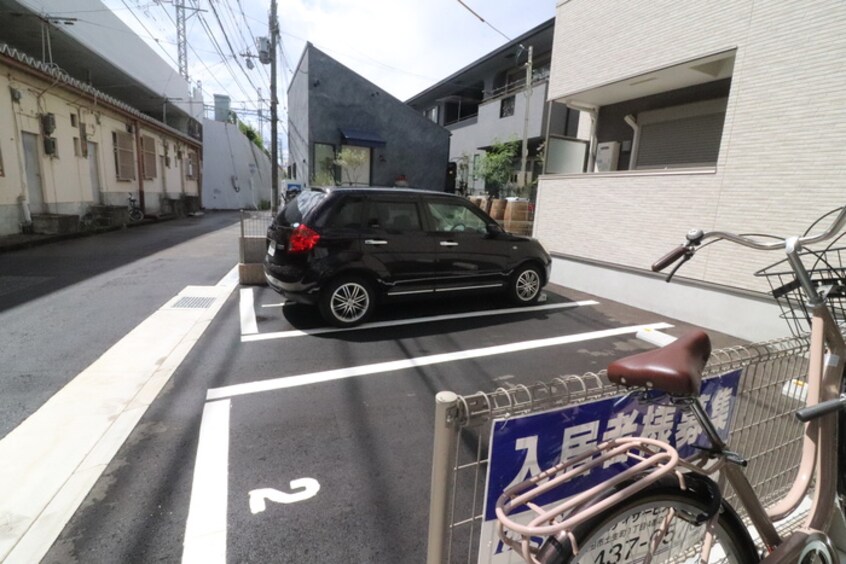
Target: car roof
x=383, y=189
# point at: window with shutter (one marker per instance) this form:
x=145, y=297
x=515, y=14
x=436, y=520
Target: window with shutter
x=681, y=136
x=124, y=155
x=148, y=152
x=191, y=169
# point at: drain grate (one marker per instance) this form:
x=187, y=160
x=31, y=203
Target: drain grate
x=193, y=302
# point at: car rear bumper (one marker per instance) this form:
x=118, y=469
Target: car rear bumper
x=294, y=291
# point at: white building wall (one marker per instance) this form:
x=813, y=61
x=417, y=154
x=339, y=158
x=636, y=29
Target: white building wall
x=781, y=160
x=236, y=174
x=490, y=126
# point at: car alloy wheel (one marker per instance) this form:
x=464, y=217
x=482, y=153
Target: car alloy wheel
x=526, y=286
x=347, y=302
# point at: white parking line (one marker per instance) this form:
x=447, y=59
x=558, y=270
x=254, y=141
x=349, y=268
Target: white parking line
x=205, y=529
x=50, y=462
x=250, y=338
x=338, y=374
x=249, y=326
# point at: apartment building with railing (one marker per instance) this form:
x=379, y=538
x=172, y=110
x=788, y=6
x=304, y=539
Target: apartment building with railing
x=490, y=101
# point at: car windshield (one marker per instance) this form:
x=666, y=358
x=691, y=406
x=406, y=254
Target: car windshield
x=299, y=207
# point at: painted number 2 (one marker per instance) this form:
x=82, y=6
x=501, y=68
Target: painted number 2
x=302, y=489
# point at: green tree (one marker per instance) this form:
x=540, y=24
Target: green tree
x=350, y=160
x=251, y=134
x=497, y=165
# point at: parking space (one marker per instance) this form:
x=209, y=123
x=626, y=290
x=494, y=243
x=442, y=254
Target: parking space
x=320, y=448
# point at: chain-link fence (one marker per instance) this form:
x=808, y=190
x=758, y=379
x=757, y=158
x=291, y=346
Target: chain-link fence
x=764, y=431
x=254, y=226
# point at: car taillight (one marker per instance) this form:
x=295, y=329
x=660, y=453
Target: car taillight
x=303, y=239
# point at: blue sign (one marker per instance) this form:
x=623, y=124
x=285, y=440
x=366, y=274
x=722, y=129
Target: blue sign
x=522, y=447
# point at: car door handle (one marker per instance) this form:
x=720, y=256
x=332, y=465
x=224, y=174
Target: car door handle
x=449, y=244
x=375, y=242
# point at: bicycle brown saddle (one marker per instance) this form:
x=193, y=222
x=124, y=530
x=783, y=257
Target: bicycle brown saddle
x=675, y=368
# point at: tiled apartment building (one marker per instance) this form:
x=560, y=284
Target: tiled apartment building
x=714, y=115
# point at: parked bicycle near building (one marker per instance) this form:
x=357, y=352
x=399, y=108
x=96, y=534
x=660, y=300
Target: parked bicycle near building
x=660, y=507
x=136, y=214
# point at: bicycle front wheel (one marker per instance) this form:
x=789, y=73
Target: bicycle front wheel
x=655, y=525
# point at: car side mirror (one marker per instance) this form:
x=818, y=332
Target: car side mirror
x=493, y=229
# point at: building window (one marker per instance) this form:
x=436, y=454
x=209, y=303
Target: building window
x=73, y=120
x=476, y=159
x=124, y=155
x=148, y=155
x=77, y=150
x=506, y=107
x=191, y=171
x=2, y=172
x=324, y=164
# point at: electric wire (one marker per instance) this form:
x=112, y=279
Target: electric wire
x=131, y=11
x=229, y=44
x=469, y=9
x=211, y=74
x=233, y=21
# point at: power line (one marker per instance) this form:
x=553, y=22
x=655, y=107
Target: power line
x=223, y=57
x=131, y=11
x=469, y=9
x=202, y=62
x=252, y=36
x=229, y=44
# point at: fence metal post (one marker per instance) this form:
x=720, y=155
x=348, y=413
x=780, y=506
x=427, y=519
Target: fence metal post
x=241, y=241
x=446, y=437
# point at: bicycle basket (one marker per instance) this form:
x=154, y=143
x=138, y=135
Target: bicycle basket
x=828, y=273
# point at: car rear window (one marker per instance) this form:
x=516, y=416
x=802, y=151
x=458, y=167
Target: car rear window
x=299, y=207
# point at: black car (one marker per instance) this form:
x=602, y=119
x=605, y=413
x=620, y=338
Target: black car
x=347, y=249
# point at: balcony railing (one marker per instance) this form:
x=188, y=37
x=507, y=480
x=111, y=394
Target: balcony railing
x=539, y=76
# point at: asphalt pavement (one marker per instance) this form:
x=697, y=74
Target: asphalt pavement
x=269, y=438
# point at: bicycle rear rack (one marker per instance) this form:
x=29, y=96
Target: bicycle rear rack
x=650, y=459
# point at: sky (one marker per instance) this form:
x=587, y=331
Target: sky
x=402, y=46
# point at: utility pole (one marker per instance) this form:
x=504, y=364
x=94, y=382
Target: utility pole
x=525, y=151
x=274, y=145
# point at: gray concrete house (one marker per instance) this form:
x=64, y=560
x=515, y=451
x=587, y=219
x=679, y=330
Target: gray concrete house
x=486, y=102
x=330, y=108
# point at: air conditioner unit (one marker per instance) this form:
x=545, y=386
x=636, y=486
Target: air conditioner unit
x=48, y=123
x=50, y=145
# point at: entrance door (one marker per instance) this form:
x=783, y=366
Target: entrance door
x=94, y=171
x=32, y=163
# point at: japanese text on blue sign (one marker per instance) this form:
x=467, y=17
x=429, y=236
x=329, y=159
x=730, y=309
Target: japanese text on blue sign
x=524, y=446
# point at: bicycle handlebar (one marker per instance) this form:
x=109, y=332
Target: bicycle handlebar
x=696, y=237
x=669, y=258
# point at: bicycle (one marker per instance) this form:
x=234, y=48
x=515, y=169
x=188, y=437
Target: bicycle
x=136, y=214
x=675, y=506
